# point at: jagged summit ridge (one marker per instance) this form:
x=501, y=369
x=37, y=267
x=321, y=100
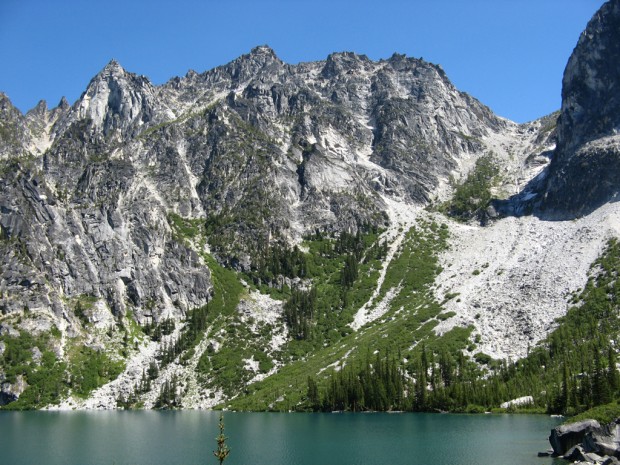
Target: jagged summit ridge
x=282, y=149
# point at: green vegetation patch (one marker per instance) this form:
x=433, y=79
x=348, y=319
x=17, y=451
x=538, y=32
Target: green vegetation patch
x=45, y=378
x=398, y=338
x=90, y=369
x=81, y=305
x=473, y=196
x=227, y=289
x=604, y=414
x=184, y=229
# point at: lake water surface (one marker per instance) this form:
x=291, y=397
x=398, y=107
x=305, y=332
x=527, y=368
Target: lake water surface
x=187, y=438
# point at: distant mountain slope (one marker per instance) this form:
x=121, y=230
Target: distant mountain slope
x=175, y=245
x=261, y=149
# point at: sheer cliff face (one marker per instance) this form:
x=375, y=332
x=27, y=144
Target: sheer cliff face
x=257, y=148
x=586, y=166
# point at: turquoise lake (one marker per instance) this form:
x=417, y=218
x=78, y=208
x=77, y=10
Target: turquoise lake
x=188, y=438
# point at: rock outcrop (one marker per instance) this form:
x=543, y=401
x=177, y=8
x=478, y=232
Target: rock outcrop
x=585, y=168
x=10, y=391
x=587, y=442
x=565, y=437
x=518, y=402
x=604, y=441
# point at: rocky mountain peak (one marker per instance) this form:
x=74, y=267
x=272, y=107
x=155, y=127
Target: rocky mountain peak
x=40, y=109
x=402, y=63
x=9, y=113
x=590, y=100
x=64, y=104
x=343, y=62
x=5, y=102
x=260, y=60
x=263, y=51
x=14, y=133
x=113, y=67
x=261, y=63
x=118, y=102
x=585, y=169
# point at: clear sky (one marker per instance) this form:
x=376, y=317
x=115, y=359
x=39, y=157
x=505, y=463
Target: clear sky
x=510, y=54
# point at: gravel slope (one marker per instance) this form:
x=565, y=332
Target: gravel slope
x=514, y=277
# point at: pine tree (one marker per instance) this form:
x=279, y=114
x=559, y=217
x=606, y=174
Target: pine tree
x=153, y=371
x=565, y=388
x=421, y=390
x=445, y=367
x=313, y=393
x=600, y=384
x=349, y=272
x=222, y=449
x=612, y=372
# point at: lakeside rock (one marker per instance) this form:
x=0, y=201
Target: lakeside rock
x=565, y=437
x=519, y=402
x=605, y=441
x=587, y=442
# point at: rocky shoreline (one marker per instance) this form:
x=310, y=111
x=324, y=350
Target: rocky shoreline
x=587, y=442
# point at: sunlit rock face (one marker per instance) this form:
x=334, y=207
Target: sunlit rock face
x=264, y=150
x=585, y=171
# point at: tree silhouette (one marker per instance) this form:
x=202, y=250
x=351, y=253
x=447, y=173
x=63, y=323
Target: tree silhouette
x=222, y=449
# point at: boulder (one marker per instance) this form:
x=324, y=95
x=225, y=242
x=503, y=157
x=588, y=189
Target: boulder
x=605, y=441
x=7, y=330
x=565, y=437
x=36, y=355
x=527, y=400
x=10, y=392
x=577, y=454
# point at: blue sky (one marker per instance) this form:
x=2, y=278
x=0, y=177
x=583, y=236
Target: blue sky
x=510, y=54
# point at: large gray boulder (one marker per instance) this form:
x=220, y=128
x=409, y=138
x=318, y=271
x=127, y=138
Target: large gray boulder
x=578, y=454
x=10, y=392
x=564, y=437
x=605, y=441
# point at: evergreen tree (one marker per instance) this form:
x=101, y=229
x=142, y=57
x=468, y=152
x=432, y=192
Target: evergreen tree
x=600, y=384
x=299, y=312
x=313, y=393
x=446, y=368
x=420, y=397
x=153, y=371
x=349, y=272
x=222, y=449
x=612, y=371
x=565, y=389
